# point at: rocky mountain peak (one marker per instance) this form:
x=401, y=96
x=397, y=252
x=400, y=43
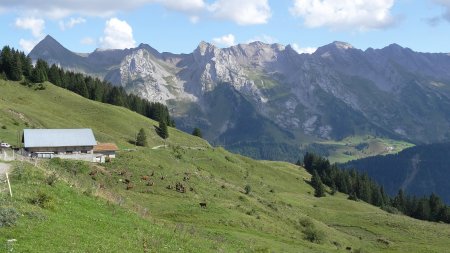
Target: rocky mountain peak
x=47, y=44
x=342, y=45
x=332, y=48
x=205, y=48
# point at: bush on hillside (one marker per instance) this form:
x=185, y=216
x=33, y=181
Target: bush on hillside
x=43, y=200
x=51, y=179
x=311, y=232
x=8, y=216
x=247, y=189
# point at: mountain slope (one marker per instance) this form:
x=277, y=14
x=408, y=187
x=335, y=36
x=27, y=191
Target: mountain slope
x=337, y=92
x=92, y=209
x=420, y=170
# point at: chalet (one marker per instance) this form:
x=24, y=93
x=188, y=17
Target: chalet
x=64, y=143
x=105, y=151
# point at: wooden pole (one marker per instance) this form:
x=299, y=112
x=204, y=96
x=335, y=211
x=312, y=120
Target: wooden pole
x=9, y=185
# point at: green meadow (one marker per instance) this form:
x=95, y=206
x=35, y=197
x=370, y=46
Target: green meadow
x=148, y=198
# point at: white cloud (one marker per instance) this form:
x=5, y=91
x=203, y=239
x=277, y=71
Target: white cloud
x=303, y=50
x=263, y=38
x=71, y=23
x=344, y=14
x=226, y=40
x=27, y=45
x=87, y=41
x=188, y=6
x=35, y=25
x=57, y=9
x=118, y=34
x=446, y=15
x=248, y=12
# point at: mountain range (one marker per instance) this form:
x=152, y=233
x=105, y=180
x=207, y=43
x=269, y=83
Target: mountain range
x=267, y=100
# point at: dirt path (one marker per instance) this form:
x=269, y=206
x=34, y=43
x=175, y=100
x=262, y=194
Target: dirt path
x=4, y=167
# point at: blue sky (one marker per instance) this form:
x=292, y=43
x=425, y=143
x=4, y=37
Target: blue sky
x=179, y=25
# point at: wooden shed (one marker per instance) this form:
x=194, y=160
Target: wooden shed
x=106, y=149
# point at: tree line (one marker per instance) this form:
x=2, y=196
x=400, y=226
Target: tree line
x=359, y=186
x=16, y=66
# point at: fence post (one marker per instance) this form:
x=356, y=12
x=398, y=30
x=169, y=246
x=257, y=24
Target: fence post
x=9, y=185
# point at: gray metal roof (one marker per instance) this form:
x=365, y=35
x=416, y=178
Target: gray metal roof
x=58, y=137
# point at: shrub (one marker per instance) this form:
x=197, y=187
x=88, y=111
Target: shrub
x=390, y=209
x=247, y=189
x=8, y=216
x=310, y=231
x=40, y=86
x=353, y=196
x=305, y=222
x=313, y=234
x=3, y=127
x=43, y=200
x=51, y=179
x=251, y=212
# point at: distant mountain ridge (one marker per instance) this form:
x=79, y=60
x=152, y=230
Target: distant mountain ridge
x=289, y=98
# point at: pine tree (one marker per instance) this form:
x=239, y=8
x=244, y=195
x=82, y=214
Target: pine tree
x=400, y=201
x=43, y=66
x=197, y=132
x=15, y=73
x=27, y=67
x=37, y=75
x=54, y=75
x=5, y=60
x=163, y=131
x=316, y=182
x=308, y=160
x=141, y=139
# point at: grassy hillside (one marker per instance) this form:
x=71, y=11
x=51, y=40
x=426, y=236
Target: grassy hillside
x=132, y=204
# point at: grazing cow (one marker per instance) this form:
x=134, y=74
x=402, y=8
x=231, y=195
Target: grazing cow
x=179, y=187
x=145, y=178
x=202, y=204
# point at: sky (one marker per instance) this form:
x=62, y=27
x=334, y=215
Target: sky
x=178, y=26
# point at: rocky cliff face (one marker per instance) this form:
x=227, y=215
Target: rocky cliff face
x=336, y=92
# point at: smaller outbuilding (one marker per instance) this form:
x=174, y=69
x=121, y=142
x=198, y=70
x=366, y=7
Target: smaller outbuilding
x=105, y=151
